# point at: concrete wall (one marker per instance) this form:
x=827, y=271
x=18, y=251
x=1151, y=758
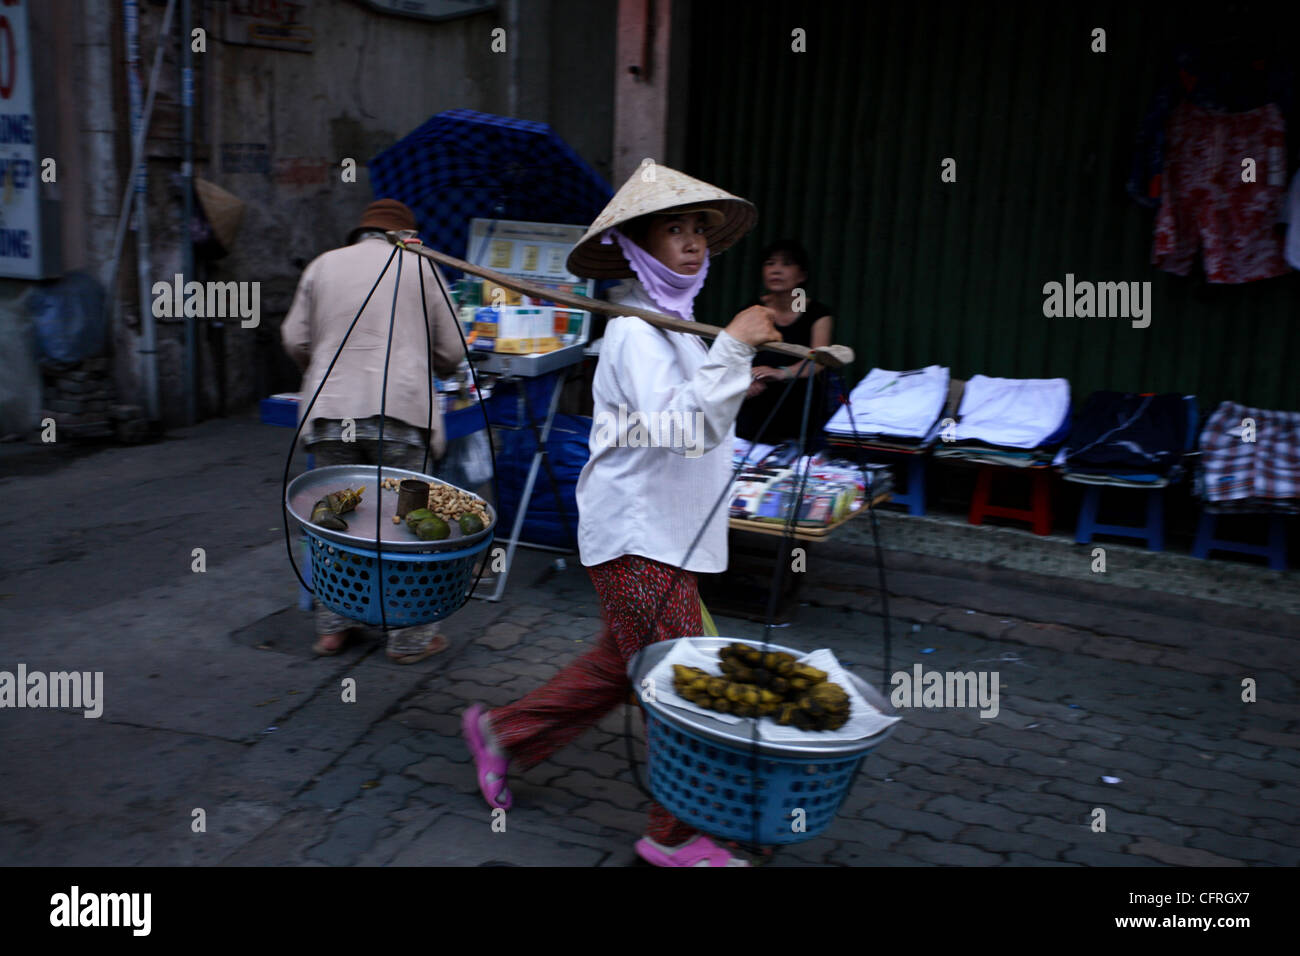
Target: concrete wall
x=369, y=79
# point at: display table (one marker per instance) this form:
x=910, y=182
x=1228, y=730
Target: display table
x=754, y=548
x=912, y=461
x=519, y=368
x=778, y=529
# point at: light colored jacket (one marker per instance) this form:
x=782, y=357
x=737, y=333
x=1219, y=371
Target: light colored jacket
x=654, y=476
x=330, y=292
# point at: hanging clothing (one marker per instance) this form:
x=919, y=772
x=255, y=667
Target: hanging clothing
x=786, y=425
x=1148, y=166
x=1224, y=79
x=1206, y=205
x=643, y=602
x=1291, y=216
x=647, y=490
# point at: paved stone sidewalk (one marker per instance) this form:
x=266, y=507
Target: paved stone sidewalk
x=214, y=703
x=1203, y=778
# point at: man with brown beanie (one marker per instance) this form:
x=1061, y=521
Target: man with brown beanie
x=344, y=426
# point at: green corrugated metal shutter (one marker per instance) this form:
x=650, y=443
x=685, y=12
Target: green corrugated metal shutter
x=841, y=147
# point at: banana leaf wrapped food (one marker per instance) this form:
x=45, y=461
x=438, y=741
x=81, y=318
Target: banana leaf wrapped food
x=325, y=512
x=341, y=502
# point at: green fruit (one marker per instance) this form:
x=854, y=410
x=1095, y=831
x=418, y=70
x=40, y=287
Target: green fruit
x=413, y=518
x=471, y=524
x=433, y=529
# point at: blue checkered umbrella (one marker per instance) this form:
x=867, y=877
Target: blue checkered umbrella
x=462, y=164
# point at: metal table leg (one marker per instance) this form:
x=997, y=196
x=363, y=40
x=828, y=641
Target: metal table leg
x=515, y=531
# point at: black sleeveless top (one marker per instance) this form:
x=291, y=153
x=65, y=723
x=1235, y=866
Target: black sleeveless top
x=785, y=426
x=798, y=332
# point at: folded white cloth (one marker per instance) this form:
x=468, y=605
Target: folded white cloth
x=904, y=404
x=1012, y=412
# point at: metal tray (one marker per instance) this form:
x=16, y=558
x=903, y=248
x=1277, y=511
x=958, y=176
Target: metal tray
x=533, y=365
x=305, y=490
x=742, y=734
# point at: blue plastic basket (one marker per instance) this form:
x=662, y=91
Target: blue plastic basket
x=418, y=588
x=735, y=794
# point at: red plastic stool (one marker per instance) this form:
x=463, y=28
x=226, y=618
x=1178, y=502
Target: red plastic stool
x=1038, y=514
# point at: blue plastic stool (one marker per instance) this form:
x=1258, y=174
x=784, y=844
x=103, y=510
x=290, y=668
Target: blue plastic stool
x=1275, y=550
x=1152, y=533
x=914, y=497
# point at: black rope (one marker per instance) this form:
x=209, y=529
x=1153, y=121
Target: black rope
x=288, y=463
x=428, y=352
x=379, y=463
x=875, y=534
x=487, y=424
x=680, y=570
x=778, y=577
x=880, y=558
x=383, y=409
x=791, y=524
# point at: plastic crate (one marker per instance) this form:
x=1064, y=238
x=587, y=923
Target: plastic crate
x=505, y=407
x=280, y=410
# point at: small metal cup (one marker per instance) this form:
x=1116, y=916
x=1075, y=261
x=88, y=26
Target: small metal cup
x=412, y=495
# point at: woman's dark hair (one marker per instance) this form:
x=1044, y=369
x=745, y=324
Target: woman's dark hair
x=637, y=229
x=789, y=248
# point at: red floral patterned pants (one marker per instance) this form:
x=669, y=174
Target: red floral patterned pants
x=644, y=601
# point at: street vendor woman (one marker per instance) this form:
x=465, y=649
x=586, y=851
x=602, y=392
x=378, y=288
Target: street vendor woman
x=640, y=507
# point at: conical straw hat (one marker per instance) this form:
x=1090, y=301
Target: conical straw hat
x=223, y=210
x=667, y=191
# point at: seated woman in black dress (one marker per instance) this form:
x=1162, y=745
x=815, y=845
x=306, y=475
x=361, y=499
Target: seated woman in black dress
x=785, y=270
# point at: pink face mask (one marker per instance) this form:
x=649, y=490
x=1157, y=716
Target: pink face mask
x=671, y=291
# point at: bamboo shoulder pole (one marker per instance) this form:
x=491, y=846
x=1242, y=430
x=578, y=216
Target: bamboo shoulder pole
x=831, y=356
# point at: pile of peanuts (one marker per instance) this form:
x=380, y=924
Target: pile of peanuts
x=445, y=501
x=450, y=503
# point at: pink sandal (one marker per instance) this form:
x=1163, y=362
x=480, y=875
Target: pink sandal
x=698, y=851
x=491, y=768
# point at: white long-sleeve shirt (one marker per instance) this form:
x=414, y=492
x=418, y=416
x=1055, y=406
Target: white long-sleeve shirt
x=662, y=436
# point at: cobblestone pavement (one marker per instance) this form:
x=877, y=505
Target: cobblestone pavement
x=1203, y=778
x=214, y=702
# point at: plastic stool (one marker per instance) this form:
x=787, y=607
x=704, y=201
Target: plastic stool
x=1275, y=550
x=1152, y=533
x=1039, y=513
x=914, y=498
